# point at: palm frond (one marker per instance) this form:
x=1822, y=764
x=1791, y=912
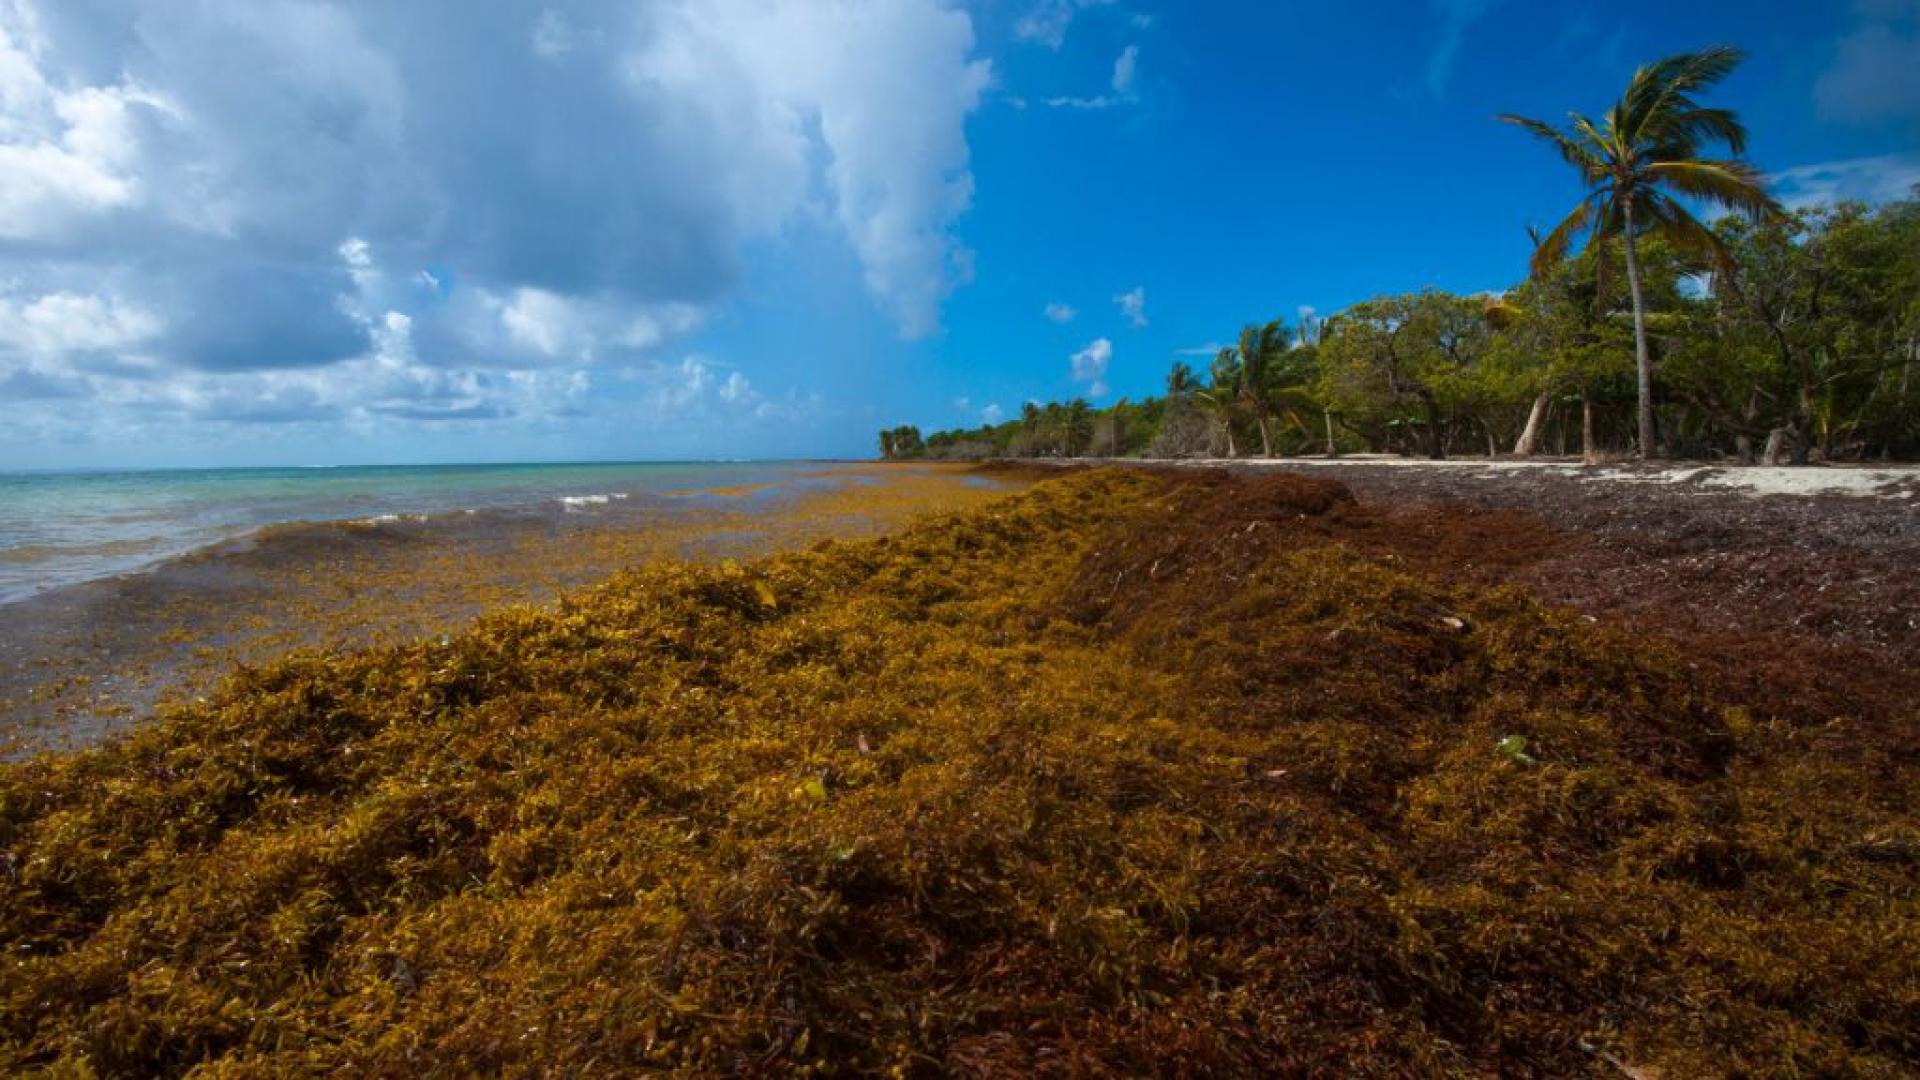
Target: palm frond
x=1553, y=247
x=1666, y=86
x=1580, y=157
x=1611, y=153
x=1697, y=71
x=1687, y=233
x=1735, y=185
x=1697, y=126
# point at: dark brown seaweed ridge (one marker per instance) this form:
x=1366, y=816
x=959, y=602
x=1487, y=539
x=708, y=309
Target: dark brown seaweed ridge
x=1129, y=773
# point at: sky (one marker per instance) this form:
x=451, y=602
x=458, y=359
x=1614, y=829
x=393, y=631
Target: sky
x=313, y=232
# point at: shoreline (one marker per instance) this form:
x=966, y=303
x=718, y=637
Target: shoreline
x=83, y=660
x=179, y=532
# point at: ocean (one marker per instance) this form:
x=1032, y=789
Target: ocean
x=60, y=528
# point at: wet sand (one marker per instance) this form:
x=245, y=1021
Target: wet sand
x=80, y=663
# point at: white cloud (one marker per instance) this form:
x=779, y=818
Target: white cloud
x=58, y=324
x=695, y=391
x=893, y=132
x=1870, y=179
x=1125, y=73
x=529, y=326
x=1211, y=348
x=541, y=320
x=442, y=211
x=1125, y=68
x=1048, y=21
x=1060, y=313
x=67, y=153
x=1133, y=306
x=1089, y=365
x=992, y=414
x=1875, y=73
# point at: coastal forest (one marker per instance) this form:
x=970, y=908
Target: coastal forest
x=1699, y=319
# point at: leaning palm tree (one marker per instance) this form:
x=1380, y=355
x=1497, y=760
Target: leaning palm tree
x=1646, y=150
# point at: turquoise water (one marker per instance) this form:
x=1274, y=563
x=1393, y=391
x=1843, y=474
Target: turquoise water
x=61, y=528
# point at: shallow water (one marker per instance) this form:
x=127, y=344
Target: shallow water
x=62, y=528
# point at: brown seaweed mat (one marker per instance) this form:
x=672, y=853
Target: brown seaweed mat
x=1129, y=773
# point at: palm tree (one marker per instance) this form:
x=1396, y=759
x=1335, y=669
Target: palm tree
x=1181, y=381
x=1077, y=422
x=1224, y=382
x=1261, y=351
x=1648, y=145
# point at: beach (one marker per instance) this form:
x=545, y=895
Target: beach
x=1147, y=769
x=85, y=657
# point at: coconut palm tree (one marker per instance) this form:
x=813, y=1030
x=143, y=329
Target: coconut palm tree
x=1224, y=382
x=1261, y=351
x=1642, y=153
x=1181, y=380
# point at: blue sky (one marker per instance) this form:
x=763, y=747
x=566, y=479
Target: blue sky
x=313, y=232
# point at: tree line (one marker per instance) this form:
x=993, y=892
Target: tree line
x=1640, y=329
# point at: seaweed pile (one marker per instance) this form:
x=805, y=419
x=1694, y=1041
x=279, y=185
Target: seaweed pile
x=80, y=663
x=1128, y=773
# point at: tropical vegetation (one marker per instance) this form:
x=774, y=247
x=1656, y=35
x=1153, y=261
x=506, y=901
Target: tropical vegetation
x=1763, y=334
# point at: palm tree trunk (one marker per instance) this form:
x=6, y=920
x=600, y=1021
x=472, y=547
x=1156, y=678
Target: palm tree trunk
x=1589, y=454
x=1530, y=435
x=1642, y=357
x=1266, y=440
x=1333, y=448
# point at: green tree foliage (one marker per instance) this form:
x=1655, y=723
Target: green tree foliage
x=1643, y=153
x=1791, y=336
x=902, y=443
x=1408, y=367
x=1810, y=341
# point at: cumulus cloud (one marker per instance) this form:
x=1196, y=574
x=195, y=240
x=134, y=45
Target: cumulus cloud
x=1133, y=306
x=1089, y=366
x=1058, y=312
x=992, y=414
x=893, y=130
x=437, y=211
x=695, y=390
x=56, y=325
x=1875, y=74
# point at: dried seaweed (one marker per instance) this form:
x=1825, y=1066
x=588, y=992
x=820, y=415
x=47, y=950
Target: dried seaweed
x=1125, y=774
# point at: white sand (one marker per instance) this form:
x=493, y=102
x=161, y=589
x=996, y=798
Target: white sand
x=1900, y=482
